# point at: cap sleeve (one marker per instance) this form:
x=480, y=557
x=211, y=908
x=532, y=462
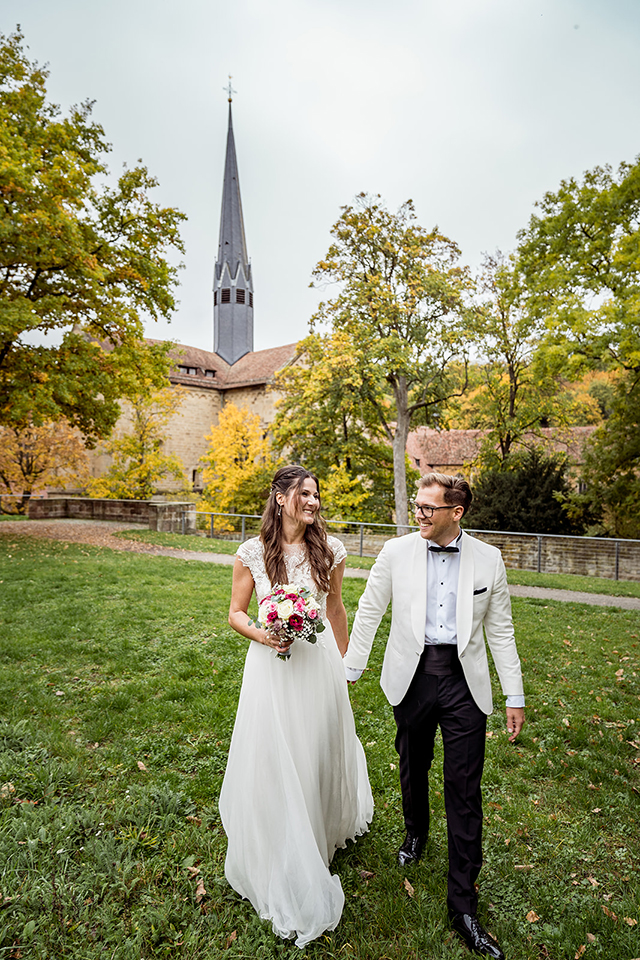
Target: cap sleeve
x=250, y=552
x=339, y=551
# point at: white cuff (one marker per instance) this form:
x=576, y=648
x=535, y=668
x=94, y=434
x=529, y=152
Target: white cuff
x=352, y=673
x=515, y=700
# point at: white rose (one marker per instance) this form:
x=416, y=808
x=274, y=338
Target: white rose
x=285, y=609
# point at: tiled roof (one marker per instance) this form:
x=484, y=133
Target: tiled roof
x=254, y=369
x=440, y=448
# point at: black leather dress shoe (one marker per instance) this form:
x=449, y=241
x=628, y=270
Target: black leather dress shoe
x=475, y=936
x=411, y=849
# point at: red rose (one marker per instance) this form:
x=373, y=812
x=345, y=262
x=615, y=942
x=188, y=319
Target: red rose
x=296, y=622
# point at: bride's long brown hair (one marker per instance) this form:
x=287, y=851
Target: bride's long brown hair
x=319, y=554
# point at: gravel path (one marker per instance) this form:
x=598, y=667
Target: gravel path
x=98, y=533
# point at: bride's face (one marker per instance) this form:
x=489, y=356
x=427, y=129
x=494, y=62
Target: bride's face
x=302, y=503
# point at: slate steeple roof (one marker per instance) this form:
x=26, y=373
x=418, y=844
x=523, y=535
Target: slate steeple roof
x=232, y=282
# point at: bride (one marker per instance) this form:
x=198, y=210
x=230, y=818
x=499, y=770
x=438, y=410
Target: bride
x=296, y=785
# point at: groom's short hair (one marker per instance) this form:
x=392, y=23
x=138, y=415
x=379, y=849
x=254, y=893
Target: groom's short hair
x=456, y=490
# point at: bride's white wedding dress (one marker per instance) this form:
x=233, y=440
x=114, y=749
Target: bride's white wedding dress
x=296, y=785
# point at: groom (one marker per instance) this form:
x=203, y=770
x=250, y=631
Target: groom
x=446, y=588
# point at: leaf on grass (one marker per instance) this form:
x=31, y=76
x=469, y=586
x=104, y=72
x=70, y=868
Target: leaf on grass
x=608, y=913
x=630, y=921
x=523, y=866
x=532, y=916
x=581, y=949
x=201, y=891
x=366, y=874
x=193, y=871
x=620, y=673
x=141, y=766
x=591, y=938
x=191, y=819
x=593, y=881
x=408, y=887
x=232, y=936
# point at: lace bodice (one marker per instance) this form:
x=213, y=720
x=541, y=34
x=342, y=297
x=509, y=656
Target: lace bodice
x=298, y=569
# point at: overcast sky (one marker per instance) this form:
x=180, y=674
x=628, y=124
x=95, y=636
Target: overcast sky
x=472, y=108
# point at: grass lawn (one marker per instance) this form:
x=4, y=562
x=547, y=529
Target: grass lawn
x=118, y=685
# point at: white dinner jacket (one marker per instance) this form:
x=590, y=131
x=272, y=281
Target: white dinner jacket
x=399, y=575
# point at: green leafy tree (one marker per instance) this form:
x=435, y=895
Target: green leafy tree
x=524, y=495
x=324, y=422
x=579, y=257
x=514, y=391
x=238, y=466
x=139, y=463
x=401, y=302
x=80, y=262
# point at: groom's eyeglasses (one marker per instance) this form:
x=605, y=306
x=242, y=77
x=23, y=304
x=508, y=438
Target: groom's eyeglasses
x=425, y=511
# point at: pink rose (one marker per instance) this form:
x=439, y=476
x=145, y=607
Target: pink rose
x=299, y=606
x=312, y=614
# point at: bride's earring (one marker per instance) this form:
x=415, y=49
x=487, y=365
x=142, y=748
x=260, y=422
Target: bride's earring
x=279, y=510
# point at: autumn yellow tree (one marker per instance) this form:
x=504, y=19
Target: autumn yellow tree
x=139, y=463
x=33, y=458
x=238, y=465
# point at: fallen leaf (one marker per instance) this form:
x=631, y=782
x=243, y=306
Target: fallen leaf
x=608, y=913
x=593, y=881
x=193, y=871
x=408, y=887
x=532, y=916
x=366, y=874
x=192, y=819
x=141, y=766
x=591, y=938
x=523, y=866
x=201, y=891
x=630, y=921
x=620, y=673
x=59, y=693
x=7, y=790
x=581, y=949
x=232, y=936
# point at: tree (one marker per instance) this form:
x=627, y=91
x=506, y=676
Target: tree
x=523, y=495
x=513, y=390
x=33, y=458
x=80, y=262
x=402, y=304
x=238, y=466
x=138, y=461
x=324, y=422
x=579, y=259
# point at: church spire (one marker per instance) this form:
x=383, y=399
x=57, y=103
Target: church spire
x=232, y=282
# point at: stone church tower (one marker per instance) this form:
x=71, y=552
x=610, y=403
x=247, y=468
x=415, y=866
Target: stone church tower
x=232, y=281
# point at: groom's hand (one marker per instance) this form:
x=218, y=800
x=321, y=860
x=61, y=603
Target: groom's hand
x=515, y=721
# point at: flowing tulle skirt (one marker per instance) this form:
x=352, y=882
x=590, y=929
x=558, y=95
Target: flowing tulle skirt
x=296, y=787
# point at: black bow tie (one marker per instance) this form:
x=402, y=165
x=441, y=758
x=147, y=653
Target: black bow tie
x=445, y=549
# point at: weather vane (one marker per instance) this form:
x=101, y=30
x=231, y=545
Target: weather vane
x=229, y=89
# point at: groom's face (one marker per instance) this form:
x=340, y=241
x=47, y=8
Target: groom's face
x=444, y=525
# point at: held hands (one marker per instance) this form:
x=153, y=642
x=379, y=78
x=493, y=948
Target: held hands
x=515, y=721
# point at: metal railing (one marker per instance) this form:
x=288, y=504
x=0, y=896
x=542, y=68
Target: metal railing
x=527, y=551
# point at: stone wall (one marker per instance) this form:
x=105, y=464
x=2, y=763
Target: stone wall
x=86, y=508
x=164, y=516
x=585, y=556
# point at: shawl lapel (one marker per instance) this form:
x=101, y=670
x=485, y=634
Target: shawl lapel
x=464, y=602
x=418, y=574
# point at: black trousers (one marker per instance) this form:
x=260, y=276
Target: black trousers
x=443, y=699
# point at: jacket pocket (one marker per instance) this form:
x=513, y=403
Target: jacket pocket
x=481, y=590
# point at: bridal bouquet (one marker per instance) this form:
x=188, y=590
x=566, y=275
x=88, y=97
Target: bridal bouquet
x=292, y=613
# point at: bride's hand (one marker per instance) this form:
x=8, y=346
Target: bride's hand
x=279, y=644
